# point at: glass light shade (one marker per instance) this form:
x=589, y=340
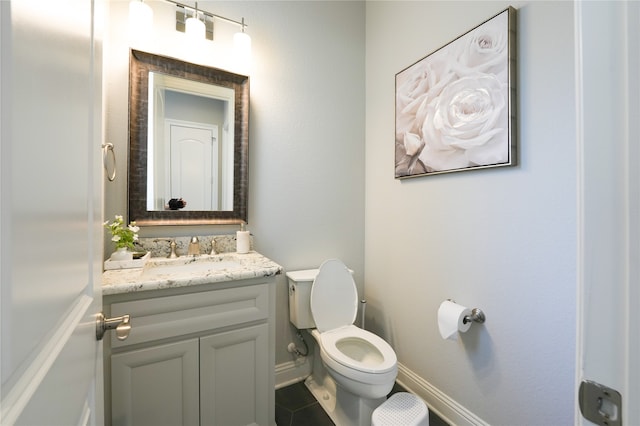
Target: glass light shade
x=140, y=17
x=195, y=28
x=242, y=44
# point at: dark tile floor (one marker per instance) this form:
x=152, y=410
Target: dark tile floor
x=296, y=406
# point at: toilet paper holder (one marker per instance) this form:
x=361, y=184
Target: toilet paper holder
x=476, y=315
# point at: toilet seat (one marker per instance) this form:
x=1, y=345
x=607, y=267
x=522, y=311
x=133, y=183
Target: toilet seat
x=359, y=349
x=334, y=305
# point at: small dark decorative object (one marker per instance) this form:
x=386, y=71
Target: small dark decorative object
x=177, y=203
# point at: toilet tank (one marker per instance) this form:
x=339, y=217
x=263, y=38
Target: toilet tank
x=300, y=283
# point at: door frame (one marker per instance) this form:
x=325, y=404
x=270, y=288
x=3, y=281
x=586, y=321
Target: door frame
x=608, y=204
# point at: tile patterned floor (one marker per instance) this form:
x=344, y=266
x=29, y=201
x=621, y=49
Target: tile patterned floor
x=296, y=406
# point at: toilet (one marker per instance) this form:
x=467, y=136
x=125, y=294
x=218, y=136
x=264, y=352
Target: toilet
x=353, y=369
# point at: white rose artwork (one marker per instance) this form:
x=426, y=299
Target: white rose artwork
x=453, y=108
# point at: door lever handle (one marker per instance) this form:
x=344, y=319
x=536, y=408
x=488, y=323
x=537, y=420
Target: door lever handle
x=122, y=325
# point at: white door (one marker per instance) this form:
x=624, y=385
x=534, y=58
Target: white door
x=193, y=160
x=50, y=213
x=608, y=99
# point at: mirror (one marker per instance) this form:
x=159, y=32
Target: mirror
x=188, y=143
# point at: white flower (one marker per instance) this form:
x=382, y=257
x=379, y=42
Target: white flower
x=452, y=107
x=418, y=86
x=466, y=125
x=485, y=50
x=123, y=237
x=413, y=144
x=407, y=162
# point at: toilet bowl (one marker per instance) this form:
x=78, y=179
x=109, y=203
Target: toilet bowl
x=353, y=370
x=360, y=361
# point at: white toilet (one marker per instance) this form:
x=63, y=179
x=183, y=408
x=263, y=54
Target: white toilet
x=353, y=369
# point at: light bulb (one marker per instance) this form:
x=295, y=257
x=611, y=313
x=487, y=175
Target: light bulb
x=242, y=44
x=195, y=28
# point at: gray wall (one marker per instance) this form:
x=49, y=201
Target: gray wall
x=502, y=239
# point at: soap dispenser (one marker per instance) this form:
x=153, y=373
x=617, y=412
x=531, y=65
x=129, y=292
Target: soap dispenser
x=242, y=240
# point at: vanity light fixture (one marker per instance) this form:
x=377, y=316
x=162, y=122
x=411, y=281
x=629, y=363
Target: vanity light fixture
x=184, y=13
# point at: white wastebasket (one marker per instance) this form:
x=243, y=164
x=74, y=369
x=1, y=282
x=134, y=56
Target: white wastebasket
x=401, y=409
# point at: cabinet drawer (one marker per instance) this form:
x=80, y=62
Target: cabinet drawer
x=171, y=316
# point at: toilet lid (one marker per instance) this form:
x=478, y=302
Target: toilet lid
x=334, y=298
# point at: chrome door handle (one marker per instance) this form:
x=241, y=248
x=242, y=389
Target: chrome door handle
x=122, y=325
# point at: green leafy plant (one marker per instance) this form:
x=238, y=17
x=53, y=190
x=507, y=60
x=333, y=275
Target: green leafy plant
x=121, y=235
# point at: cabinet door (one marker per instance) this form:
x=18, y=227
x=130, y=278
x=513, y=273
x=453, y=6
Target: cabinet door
x=156, y=386
x=234, y=373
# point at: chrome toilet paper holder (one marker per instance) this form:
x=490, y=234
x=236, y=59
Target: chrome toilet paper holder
x=476, y=315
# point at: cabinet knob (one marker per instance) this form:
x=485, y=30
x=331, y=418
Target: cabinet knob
x=122, y=325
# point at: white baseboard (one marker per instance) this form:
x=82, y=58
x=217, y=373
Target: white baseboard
x=438, y=402
x=292, y=372
x=441, y=404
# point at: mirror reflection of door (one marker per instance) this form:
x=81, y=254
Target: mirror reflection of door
x=194, y=122
x=195, y=152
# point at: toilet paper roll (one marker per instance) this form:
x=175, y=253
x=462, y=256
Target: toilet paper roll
x=451, y=319
x=243, y=242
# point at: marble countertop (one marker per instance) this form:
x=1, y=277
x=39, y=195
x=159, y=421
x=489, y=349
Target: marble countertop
x=162, y=273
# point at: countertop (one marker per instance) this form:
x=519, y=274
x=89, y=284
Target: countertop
x=251, y=265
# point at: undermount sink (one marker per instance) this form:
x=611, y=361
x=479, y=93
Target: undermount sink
x=191, y=264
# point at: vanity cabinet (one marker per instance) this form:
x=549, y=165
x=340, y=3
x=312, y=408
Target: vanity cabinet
x=157, y=385
x=201, y=355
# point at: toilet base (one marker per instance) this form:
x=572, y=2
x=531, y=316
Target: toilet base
x=343, y=407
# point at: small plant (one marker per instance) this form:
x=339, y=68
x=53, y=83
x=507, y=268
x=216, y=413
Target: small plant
x=123, y=237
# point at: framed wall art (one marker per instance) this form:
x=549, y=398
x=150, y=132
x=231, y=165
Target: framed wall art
x=455, y=108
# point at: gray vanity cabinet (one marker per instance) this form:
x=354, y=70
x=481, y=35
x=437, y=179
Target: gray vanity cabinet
x=201, y=355
x=156, y=385
x=233, y=376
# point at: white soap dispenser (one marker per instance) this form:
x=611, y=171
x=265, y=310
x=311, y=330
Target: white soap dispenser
x=242, y=240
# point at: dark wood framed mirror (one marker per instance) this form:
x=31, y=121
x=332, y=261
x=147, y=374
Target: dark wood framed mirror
x=188, y=143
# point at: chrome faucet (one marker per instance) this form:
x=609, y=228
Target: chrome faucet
x=172, y=246
x=194, y=247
